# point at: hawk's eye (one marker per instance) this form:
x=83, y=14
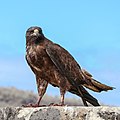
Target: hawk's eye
x=32, y=31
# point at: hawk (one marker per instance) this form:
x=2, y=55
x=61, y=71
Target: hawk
x=54, y=65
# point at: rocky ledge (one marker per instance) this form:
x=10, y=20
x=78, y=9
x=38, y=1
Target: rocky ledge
x=60, y=113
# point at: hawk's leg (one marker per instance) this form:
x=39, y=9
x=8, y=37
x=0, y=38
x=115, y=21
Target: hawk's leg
x=41, y=85
x=62, y=94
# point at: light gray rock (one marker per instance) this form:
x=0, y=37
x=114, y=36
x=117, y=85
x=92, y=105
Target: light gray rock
x=60, y=113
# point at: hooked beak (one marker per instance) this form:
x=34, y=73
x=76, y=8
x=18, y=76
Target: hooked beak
x=35, y=33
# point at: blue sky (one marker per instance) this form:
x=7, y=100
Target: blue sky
x=89, y=30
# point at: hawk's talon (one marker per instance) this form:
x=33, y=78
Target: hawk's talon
x=33, y=105
x=54, y=104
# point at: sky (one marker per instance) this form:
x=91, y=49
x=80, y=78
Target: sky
x=89, y=30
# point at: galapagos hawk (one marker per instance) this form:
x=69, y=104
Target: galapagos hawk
x=54, y=65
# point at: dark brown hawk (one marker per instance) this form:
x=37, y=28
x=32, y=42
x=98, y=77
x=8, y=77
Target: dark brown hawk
x=52, y=64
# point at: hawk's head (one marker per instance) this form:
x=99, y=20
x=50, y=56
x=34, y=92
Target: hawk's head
x=34, y=35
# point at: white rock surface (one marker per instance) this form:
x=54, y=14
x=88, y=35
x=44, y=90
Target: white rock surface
x=60, y=113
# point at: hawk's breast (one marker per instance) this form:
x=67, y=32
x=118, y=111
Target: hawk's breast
x=39, y=60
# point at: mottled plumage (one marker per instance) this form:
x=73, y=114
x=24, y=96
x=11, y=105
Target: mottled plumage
x=54, y=65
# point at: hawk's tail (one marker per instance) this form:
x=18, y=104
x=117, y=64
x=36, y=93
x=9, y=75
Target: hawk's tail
x=89, y=98
x=97, y=86
x=94, y=84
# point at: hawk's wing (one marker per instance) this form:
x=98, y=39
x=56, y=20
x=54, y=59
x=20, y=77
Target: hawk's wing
x=69, y=68
x=66, y=64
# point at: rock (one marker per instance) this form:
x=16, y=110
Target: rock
x=60, y=113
